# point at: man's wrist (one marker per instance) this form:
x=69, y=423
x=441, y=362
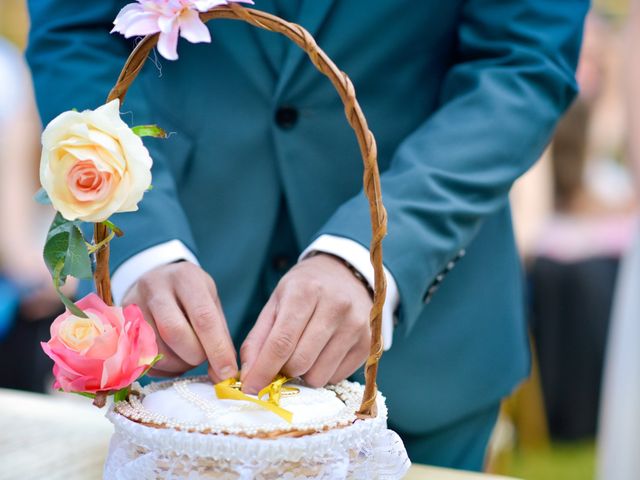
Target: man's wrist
x=127, y=274
x=354, y=271
x=358, y=256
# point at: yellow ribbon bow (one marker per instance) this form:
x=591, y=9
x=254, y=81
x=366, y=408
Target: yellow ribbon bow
x=229, y=389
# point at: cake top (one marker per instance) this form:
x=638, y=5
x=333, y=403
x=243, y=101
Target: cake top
x=192, y=405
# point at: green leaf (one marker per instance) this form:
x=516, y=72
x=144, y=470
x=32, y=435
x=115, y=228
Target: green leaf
x=78, y=262
x=153, y=362
x=121, y=394
x=149, y=131
x=72, y=307
x=65, y=243
x=55, y=250
x=57, y=283
x=66, y=253
x=42, y=197
x=58, y=225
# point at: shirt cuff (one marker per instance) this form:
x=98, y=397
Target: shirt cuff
x=358, y=257
x=132, y=269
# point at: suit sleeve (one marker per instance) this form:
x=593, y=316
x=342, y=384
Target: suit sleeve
x=75, y=62
x=512, y=79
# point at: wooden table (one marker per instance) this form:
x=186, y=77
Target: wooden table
x=63, y=437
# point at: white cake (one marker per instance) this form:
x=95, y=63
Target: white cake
x=181, y=430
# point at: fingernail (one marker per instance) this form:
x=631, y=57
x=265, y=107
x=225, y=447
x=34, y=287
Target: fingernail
x=227, y=372
x=249, y=389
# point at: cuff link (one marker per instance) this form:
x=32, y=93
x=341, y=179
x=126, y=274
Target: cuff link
x=433, y=288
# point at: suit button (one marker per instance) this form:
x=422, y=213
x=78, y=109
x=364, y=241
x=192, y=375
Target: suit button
x=286, y=117
x=281, y=263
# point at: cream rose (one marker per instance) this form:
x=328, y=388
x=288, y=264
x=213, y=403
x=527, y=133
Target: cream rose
x=93, y=165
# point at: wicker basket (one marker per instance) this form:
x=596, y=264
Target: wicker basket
x=366, y=141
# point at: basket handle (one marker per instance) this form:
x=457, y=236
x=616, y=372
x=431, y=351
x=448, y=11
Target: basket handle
x=366, y=141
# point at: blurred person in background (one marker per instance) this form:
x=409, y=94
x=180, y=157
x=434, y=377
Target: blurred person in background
x=619, y=433
x=575, y=260
x=27, y=298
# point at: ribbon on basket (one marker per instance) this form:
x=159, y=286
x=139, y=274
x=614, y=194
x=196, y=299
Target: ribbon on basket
x=230, y=389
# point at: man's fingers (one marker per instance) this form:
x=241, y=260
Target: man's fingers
x=180, y=301
x=331, y=357
x=154, y=372
x=313, y=340
x=293, y=313
x=256, y=337
x=175, y=330
x=170, y=364
x=210, y=326
x=352, y=362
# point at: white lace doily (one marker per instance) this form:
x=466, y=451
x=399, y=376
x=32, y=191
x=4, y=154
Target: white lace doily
x=173, y=445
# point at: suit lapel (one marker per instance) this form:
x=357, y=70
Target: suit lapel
x=255, y=63
x=272, y=45
x=312, y=15
x=241, y=43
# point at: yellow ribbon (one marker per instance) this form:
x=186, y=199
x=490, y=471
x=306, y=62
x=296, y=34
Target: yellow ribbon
x=229, y=389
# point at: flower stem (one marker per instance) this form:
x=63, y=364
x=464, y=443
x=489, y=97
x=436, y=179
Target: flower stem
x=100, y=399
x=101, y=274
x=98, y=246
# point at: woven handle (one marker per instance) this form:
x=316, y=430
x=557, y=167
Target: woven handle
x=367, y=143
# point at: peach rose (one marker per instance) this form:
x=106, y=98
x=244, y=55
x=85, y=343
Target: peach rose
x=103, y=353
x=93, y=165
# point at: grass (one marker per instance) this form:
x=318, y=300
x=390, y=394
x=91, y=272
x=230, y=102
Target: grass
x=563, y=461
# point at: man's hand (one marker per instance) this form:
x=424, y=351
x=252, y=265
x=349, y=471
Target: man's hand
x=315, y=325
x=181, y=303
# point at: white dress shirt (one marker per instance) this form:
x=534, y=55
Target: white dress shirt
x=358, y=256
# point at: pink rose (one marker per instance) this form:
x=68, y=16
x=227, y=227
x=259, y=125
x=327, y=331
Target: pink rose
x=105, y=352
x=171, y=18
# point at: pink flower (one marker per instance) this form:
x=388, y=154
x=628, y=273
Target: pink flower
x=105, y=352
x=169, y=17
x=87, y=183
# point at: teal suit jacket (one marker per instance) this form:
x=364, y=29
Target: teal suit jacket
x=462, y=96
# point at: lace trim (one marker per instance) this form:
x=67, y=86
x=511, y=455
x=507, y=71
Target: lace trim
x=195, y=444
x=382, y=457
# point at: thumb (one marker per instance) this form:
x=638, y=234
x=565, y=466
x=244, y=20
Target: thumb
x=257, y=336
